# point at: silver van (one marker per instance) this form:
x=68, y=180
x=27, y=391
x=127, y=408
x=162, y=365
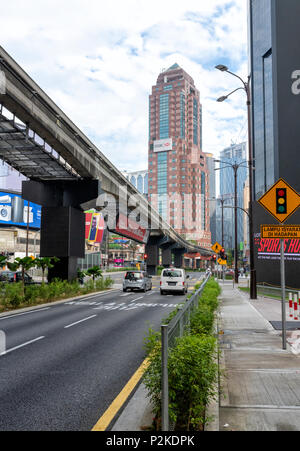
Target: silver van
x=137, y=280
x=173, y=279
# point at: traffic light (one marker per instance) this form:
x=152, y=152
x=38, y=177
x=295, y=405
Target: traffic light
x=281, y=201
x=145, y=256
x=222, y=254
x=214, y=258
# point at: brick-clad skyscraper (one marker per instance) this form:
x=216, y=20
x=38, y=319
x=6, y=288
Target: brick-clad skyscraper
x=178, y=176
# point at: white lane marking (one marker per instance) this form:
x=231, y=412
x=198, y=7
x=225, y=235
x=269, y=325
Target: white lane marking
x=26, y=313
x=81, y=321
x=21, y=346
x=126, y=294
x=137, y=299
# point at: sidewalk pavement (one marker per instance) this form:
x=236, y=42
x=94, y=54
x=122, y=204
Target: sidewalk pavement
x=260, y=382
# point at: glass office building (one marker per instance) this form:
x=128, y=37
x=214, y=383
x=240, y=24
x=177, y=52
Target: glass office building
x=235, y=154
x=274, y=53
x=262, y=83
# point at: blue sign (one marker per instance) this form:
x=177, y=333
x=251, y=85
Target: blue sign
x=14, y=211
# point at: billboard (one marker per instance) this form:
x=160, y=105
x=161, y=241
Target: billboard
x=162, y=145
x=14, y=211
x=94, y=227
x=267, y=251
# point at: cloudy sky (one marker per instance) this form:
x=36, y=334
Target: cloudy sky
x=99, y=59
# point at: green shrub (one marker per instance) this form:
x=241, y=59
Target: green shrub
x=12, y=295
x=192, y=365
x=192, y=375
x=202, y=320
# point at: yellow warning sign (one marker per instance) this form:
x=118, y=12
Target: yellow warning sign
x=280, y=231
x=222, y=262
x=281, y=200
x=216, y=247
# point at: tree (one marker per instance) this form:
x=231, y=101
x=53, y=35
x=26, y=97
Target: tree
x=45, y=263
x=25, y=264
x=3, y=260
x=95, y=271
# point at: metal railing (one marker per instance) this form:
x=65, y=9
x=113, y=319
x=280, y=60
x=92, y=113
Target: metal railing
x=169, y=333
x=266, y=290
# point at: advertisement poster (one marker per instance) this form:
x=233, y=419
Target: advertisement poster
x=269, y=249
x=94, y=227
x=14, y=211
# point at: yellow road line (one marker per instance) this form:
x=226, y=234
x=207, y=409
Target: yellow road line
x=116, y=405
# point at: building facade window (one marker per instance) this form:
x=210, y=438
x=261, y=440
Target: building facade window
x=182, y=115
x=164, y=116
x=195, y=122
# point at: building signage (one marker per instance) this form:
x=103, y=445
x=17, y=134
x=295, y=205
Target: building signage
x=131, y=229
x=268, y=249
x=280, y=231
x=162, y=145
x=14, y=211
x=94, y=226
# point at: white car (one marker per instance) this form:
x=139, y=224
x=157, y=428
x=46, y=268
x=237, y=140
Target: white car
x=173, y=279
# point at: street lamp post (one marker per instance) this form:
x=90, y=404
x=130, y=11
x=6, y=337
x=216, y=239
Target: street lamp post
x=222, y=201
x=246, y=88
x=235, y=168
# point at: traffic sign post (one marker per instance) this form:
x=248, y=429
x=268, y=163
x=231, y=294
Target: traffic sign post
x=282, y=274
x=281, y=201
x=216, y=247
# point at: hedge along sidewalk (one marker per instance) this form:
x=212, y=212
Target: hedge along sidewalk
x=193, y=353
x=213, y=407
x=57, y=302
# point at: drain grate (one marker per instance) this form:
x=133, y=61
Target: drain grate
x=290, y=325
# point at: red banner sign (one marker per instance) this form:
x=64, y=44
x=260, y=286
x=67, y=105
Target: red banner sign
x=131, y=229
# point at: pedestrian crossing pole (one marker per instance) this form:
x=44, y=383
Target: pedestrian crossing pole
x=282, y=273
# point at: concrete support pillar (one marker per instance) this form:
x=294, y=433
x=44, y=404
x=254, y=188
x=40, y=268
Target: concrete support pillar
x=152, y=251
x=62, y=235
x=166, y=257
x=63, y=221
x=178, y=257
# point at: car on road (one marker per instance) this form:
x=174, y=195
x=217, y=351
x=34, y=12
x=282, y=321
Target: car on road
x=15, y=276
x=173, y=279
x=137, y=280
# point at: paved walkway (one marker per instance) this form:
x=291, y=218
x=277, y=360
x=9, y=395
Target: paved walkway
x=261, y=386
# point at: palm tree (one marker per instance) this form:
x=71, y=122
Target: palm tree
x=25, y=264
x=95, y=271
x=45, y=263
x=3, y=260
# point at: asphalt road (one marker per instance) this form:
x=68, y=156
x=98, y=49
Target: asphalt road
x=65, y=363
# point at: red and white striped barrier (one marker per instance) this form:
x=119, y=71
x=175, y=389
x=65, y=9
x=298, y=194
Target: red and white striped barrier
x=291, y=304
x=296, y=310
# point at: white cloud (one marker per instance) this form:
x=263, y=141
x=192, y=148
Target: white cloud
x=98, y=61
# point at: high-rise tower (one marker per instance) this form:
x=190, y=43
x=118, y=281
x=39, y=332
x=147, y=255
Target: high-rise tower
x=178, y=176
